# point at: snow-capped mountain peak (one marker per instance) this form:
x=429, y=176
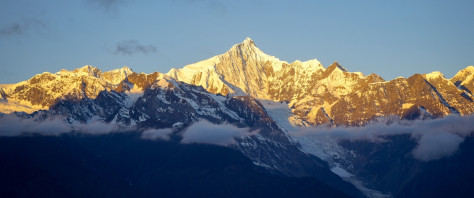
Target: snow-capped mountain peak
x=117, y=75
x=249, y=50
x=463, y=74
x=246, y=70
x=248, y=41
x=464, y=80
x=87, y=70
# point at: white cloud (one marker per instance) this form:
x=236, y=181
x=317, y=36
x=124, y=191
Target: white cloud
x=433, y=146
x=436, y=138
x=96, y=127
x=154, y=134
x=11, y=125
x=208, y=133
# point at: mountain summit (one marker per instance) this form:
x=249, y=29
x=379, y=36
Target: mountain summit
x=246, y=70
x=248, y=41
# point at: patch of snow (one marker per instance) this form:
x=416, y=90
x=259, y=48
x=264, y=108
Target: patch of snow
x=163, y=83
x=221, y=101
x=132, y=98
x=407, y=105
x=360, y=74
x=335, y=155
x=178, y=125
x=187, y=73
x=280, y=113
x=434, y=75
x=311, y=65
x=263, y=165
x=8, y=106
x=321, y=147
x=341, y=172
x=366, y=191
x=469, y=79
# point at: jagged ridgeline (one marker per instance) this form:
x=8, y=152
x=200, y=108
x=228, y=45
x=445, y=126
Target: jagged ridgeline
x=315, y=95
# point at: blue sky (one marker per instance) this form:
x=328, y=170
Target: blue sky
x=390, y=38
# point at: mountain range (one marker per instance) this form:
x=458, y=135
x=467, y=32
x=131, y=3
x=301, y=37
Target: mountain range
x=297, y=119
x=315, y=95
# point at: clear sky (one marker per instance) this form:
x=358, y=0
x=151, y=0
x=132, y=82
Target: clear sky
x=390, y=38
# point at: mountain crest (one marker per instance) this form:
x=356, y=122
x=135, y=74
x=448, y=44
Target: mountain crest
x=463, y=74
x=247, y=48
x=334, y=68
x=336, y=65
x=464, y=80
x=248, y=41
x=88, y=70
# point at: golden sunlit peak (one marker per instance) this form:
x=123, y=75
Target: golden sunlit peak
x=248, y=41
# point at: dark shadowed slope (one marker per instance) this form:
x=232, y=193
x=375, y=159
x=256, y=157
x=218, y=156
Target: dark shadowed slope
x=122, y=165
